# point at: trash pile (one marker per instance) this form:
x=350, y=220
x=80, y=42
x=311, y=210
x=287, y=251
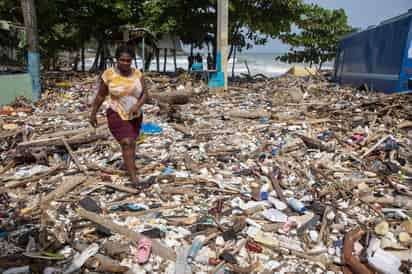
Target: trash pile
x=277, y=175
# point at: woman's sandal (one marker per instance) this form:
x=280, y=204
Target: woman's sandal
x=144, y=248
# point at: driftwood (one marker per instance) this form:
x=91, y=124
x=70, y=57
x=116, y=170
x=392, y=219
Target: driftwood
x=314, y=144
x=157, y=247
x=26, y=180
x=69, y=183
x=171, y=98
x=59, y=142
x=74, y=157
x=8, y=166
x=276, y=186
x=182, y=129
x=324, y=224
x=121, y=188
x=251, y=114
x=101, y=263
x=107, y=170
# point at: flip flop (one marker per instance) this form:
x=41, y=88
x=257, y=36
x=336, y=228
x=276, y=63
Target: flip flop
x=144, y=247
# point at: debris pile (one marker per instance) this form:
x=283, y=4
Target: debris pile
x=285, y=175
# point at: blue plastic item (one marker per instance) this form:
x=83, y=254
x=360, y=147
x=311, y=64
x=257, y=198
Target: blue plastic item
x=168, y=171
x=3, y=234
x=131, y=207
x=197, y=67
x=380, y=56
x=151, y=129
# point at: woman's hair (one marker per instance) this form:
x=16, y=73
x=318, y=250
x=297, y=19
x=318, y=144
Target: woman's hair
x=125, y=48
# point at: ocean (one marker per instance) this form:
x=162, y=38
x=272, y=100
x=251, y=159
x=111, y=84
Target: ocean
x=264, y=63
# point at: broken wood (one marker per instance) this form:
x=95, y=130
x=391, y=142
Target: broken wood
x=252, y=114
x=314, y=144
x=74, y=157
x=157, y=247
x=26, y=180
x=59, y=142
x=120, y=188
x=182, y=129
x=172, y=98
x=69, y=183
x=8, y=166
x=273, y=175
x=324, y=224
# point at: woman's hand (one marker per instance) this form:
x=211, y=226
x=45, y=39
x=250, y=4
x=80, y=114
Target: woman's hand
x=93, y=119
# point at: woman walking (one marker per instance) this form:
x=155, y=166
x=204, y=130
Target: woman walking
x=125, y=89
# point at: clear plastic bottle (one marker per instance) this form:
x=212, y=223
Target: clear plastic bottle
x=181, y=266
x=195, y=248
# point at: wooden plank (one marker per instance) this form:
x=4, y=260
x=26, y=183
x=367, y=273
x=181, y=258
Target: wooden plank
x=69, y=183
x=74, y=157
x=157, y=247
x=276, y=186
x=59, y=142
x=120, y=188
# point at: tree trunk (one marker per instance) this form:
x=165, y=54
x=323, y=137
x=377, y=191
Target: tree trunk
x=158, y=59
x=104, y=55
x=96, y=58
x=232, y=48
x=30, y=22
x=233, y=43
x=148, y=60
x=83, y=58
x=174, y=59
x=165, y=60
x=320, y=65
x=55, y=62
x=191, y=57
x=76, y=62
x=214, y=47
x=234, y=62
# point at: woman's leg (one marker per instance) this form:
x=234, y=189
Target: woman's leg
x=129, y=151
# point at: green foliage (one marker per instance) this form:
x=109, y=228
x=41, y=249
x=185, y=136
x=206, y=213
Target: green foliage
x=68, y=25
x=318, y=37
x=250, y=22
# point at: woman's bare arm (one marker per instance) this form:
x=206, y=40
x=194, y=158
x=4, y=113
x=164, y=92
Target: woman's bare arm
x=98, y=101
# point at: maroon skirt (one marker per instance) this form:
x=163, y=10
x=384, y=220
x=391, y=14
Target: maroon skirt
x=123, y=129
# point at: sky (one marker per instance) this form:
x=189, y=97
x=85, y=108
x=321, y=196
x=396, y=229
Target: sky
x=361, y=14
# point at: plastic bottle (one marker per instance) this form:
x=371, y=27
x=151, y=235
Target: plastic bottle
x=181, y=266
x=296, y=205
x=195, y=248
x=264, y=192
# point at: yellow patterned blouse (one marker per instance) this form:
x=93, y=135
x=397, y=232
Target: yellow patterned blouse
x=124, y=92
